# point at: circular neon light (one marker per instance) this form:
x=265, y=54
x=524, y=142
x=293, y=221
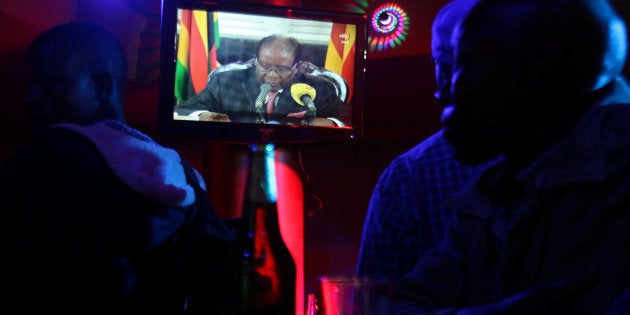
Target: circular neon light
x=390, y=22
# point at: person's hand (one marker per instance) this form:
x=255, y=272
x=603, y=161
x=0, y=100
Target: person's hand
x=322, y=122
x=212, y=116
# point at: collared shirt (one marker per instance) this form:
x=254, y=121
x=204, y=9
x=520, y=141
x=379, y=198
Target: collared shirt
x=554, y=239
x=406, y=216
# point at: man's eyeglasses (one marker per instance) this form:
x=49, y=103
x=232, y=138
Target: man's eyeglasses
x=267, y=68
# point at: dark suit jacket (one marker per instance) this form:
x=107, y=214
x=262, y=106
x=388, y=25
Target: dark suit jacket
x=234, y=93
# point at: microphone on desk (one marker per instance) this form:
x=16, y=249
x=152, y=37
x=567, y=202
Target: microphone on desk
x=264, y=89
x=304, y=94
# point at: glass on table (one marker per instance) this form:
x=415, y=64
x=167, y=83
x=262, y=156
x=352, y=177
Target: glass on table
x=351, y=295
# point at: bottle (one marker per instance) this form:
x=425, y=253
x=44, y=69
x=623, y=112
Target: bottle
x=312, y=306
x=261, y=260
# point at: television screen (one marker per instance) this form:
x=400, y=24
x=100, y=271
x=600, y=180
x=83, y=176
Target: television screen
x=214, y=85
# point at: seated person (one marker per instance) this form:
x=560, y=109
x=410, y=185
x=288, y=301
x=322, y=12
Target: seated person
x=101, y=219
x=545, y=230
x=234, y=95
x=406, y=209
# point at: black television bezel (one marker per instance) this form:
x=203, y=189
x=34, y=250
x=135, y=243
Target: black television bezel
x=253, y=132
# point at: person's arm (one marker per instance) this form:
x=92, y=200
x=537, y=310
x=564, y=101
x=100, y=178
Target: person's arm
x=331, y=110
x=326, y=122
x=202, y=106
x=442, y=283
x=550, y=299
x=196, y=104
x=390, y=241
x=437, y=283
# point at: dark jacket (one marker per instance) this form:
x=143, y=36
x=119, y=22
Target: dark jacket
x=552, y=239
x=234, y=93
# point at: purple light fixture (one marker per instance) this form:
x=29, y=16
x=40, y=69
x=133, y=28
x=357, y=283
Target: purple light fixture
x=390, y=24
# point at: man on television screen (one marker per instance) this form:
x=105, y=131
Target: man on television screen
x=268, y=89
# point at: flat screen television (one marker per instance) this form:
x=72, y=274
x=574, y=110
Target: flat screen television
x=199, y=37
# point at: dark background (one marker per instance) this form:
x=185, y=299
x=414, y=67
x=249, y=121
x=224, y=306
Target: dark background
x=337, y=178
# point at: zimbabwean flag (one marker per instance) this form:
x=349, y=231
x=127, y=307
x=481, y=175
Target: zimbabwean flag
x=340, y=53
x=197, y=45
